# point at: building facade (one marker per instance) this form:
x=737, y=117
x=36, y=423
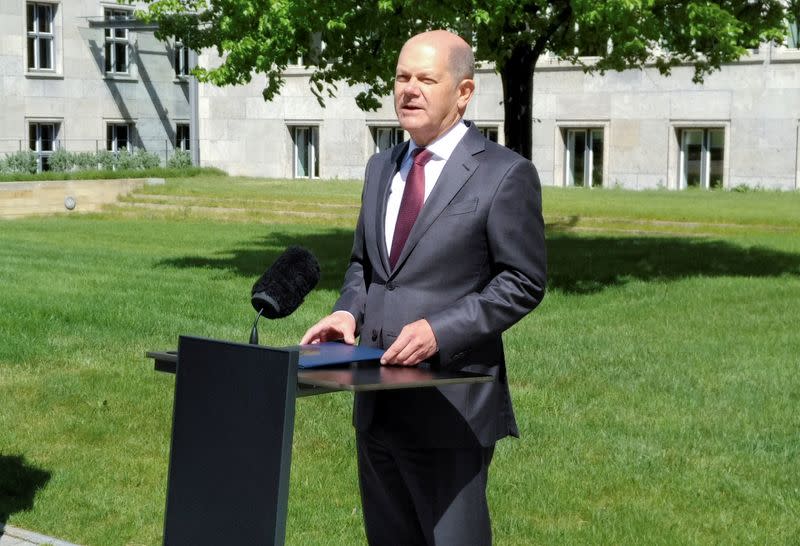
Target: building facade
x=66, y=84
x=70, y=79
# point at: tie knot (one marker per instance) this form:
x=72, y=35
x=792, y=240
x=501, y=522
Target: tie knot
x=421, y=156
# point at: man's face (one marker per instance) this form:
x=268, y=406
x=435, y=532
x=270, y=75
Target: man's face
x=426, y=96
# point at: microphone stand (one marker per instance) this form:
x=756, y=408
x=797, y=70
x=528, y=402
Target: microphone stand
x=254, y=331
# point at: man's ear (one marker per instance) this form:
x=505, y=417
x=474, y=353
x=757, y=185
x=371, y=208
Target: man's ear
x=466, y=88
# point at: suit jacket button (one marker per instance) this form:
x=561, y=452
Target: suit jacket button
x=374, y=335
x=390, y=286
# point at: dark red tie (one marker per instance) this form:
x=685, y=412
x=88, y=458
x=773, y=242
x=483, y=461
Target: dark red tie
x=413, y=198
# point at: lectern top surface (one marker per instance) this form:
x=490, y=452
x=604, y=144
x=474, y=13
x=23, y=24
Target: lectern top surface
x=370, y=376
x=357, y=376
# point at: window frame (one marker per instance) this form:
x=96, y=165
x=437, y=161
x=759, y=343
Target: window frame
x=36, y=141
x=180, y=60
x=112, y=138
x=37, y=35
x=706, y=134
x=588, y=154
x=114, y=37
x=311, y=143
x=396, y=136
x=183, y=142
x=486, y=131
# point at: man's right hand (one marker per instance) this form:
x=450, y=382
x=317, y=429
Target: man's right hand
x=338, y=325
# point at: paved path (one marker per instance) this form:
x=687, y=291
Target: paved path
x=14, y=536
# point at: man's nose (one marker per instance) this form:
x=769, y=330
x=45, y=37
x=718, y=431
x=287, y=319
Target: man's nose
x=411, y=88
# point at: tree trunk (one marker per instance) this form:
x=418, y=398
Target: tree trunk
x=517, y=76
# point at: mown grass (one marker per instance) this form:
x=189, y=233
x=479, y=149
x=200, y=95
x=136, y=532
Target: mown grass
x=656, y=387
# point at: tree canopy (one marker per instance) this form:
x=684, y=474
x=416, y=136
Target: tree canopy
x=361, y=40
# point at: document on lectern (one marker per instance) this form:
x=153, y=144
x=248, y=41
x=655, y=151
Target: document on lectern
x=334, y=353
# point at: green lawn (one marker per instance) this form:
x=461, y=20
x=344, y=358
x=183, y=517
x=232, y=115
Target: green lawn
x=656, y=388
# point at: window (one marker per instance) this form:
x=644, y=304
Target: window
x=182, y=139
x=702, y=157
x=41, y=42
x=118, y=137
x=584, y=157
x=306, y=152
x=181, y=60
x=386, y=137
x=793, y=39
x=489, y=132
x=42, y=139
x=117, y=43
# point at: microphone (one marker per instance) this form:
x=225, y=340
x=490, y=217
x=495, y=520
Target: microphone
x=282, y=287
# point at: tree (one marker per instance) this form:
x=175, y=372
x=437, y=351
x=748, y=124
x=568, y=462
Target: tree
x=362, y=39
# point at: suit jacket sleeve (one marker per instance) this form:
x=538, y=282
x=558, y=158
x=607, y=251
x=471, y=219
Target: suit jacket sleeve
x=353, y=295
x=517, y=256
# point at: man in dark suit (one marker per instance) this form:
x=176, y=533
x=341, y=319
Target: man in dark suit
x=448, y=253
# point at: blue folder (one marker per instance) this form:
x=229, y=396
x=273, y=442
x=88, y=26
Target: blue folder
x=334, y=353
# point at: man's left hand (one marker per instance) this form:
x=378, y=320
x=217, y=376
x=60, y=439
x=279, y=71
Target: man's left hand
x=415, y=343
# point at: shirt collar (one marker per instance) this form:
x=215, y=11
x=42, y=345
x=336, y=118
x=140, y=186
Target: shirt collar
x=443, y=147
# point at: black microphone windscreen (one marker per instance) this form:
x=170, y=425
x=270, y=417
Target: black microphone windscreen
x=282, y=287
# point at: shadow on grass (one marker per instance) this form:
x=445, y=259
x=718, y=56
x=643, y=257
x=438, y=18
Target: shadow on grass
x=19, y=483
x=252, y=258
x=583, y=265
x=576, y=264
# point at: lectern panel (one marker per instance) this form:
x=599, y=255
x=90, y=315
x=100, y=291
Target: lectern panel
x=231, y=444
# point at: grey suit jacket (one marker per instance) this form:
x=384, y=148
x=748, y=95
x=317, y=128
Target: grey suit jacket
x=473, y=265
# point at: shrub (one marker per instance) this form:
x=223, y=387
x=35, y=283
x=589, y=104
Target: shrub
x=105, y=160
x=62, y=161
x=85, y=161
x=21, y=162
x=180, y=160
x=125, y=160
x=145, y=160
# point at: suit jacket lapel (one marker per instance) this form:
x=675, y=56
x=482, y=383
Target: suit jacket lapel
x=458, y=169
x=388, y=170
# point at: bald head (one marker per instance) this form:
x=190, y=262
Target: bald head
x=460, y=59
x=433, y=84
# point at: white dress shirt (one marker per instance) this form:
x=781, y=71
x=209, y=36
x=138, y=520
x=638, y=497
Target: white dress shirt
x=441, y=148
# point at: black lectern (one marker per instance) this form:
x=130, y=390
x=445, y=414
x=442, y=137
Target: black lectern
x=233, y=421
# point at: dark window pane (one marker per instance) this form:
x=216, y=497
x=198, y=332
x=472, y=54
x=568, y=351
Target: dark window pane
x=579, y=158
x=31, y=52
x=110, y=137
x=44, y=18
x=108, y=58
x=121, y=33
x=45, y=163
x=694, y=157
x=31, y=17
x=315, y=150
x=182, y=136
x=122, y=137
x=121, y=61
x=46, y=133
x=301, y=150
x=716, y=148
x=32, y=135
x=45, y=53
x=597, y=158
